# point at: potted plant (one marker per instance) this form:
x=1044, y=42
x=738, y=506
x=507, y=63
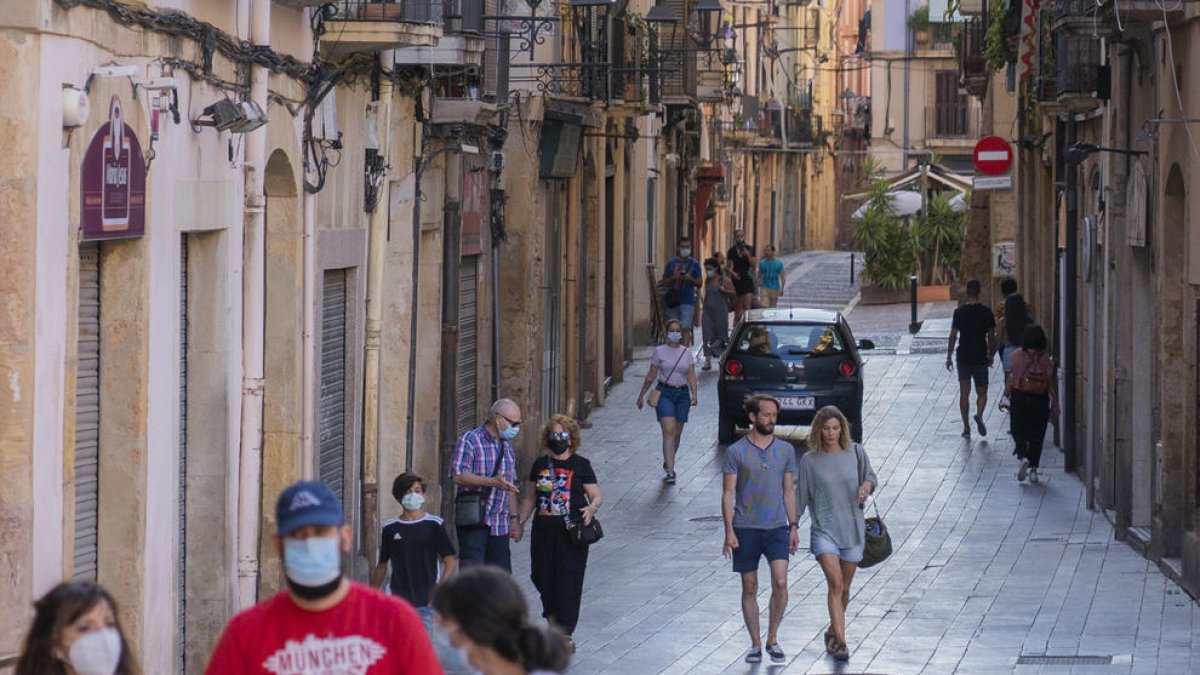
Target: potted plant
x=919, y=23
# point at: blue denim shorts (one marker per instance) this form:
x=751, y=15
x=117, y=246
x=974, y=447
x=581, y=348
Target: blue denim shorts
x=684, y=314
x=674, y=402
x=754, y=544
x=820, y=543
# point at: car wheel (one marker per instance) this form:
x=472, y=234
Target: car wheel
x=726, y=429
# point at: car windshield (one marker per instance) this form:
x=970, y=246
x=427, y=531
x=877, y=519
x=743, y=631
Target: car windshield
x=780, y=340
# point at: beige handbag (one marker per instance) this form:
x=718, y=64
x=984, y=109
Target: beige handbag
x=656, y=392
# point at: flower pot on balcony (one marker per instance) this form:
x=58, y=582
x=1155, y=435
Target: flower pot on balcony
x=631, y=92
x=381, y=11
x=921, y=37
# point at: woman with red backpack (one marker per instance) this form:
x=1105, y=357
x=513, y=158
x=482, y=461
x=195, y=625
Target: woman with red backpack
x=1032, y=390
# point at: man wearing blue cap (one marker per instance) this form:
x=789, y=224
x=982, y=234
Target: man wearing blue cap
x=323, y=623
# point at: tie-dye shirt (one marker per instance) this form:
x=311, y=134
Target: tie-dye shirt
x=758, y=500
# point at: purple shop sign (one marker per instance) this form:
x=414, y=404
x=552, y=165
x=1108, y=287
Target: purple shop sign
x=114, y=182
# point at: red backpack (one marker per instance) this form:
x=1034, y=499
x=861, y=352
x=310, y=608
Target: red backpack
x=1038, y=376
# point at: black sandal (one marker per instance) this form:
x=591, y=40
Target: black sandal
x=830, y=641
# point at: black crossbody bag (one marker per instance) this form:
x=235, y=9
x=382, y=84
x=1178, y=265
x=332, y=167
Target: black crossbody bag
x=470, y=508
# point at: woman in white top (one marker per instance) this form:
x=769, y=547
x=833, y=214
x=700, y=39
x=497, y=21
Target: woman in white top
x=673, y=374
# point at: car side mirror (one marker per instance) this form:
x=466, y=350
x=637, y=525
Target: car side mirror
x=866, y=344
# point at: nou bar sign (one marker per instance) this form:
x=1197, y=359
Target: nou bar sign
x=114, y=182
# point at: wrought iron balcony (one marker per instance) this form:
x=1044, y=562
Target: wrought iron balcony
x=571, y=80
x=942, y=35
x=361, y=26
x=1079, y=17
x=1077, y=75
x=1118, y=12
x=972, y=66
x=800, y=127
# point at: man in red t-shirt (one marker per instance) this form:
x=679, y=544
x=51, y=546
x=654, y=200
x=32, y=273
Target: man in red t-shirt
x=323, y=623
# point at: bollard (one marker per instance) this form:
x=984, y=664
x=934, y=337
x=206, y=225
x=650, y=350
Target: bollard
x=913, y=326
x=852, y=269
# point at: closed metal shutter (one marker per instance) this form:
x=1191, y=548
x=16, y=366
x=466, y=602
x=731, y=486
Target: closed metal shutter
x=87, y=415
x=332, y=423
x=468, y=342
x=181, y=615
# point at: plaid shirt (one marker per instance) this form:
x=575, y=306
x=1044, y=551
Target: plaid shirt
x=477, y=452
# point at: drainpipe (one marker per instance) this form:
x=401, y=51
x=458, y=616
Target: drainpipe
x=423, y=162
x=1069, y=306
x=253, y=305
x=308, y=396
x=376, y=257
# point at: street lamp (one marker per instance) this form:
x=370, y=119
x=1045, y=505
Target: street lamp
x=1075, y=153
x=705, y=17
x=660, y=16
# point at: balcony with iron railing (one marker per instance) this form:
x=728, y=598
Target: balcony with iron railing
x=972, y=66
x=942, y=35
x=358, y=26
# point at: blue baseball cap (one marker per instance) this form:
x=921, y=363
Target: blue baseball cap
x=308, y=502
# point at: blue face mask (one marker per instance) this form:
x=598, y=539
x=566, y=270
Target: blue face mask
x=510, y=433
x=674, y=336
x=312, y=562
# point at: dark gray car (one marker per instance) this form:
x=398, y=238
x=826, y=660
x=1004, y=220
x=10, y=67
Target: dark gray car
x=806, y=358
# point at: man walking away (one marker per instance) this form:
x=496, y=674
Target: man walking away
x=771, y=277
x=484, y=461
x=322, y=623
x=759, y=508
x=974, y=328
x=681, y=278
x=742, y=260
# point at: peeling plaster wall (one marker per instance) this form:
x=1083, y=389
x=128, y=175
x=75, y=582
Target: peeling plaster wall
x=18, y=194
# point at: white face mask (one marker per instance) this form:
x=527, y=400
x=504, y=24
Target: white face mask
x=96, y=653
x=413, y=501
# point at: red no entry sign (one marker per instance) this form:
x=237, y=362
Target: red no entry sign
x=992, y=155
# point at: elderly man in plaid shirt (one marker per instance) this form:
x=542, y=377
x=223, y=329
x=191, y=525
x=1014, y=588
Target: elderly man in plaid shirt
x=473, y=467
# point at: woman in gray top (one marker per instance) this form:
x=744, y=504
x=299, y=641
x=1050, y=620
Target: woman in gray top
x=718, y=292
x=835, y=479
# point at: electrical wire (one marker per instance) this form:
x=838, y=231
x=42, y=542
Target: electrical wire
x=1175, y=77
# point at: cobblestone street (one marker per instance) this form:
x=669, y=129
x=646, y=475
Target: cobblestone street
x=988, y=576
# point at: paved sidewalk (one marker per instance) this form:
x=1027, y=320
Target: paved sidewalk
x=987, y=575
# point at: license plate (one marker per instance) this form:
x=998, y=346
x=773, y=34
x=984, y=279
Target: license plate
x=798, y=402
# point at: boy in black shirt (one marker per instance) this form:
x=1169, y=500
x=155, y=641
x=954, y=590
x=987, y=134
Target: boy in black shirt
x=413, y=543
x=976, y=350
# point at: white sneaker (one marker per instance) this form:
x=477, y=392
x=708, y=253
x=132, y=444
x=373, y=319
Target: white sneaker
x=1033, y=477
x=1024, y=470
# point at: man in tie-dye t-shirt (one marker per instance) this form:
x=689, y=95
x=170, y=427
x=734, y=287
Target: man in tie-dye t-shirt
x=759, y=508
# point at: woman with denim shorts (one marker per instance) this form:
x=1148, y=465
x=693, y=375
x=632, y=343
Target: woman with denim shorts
x=673, y=373
x=835, y=479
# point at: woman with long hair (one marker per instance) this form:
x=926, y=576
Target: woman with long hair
x=75, y=631
x=718, y=293
x=673, y=374
x=484, y=612
x=1034, y=394
x=835, y=479
x=1011, y=327
x=562, y=491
